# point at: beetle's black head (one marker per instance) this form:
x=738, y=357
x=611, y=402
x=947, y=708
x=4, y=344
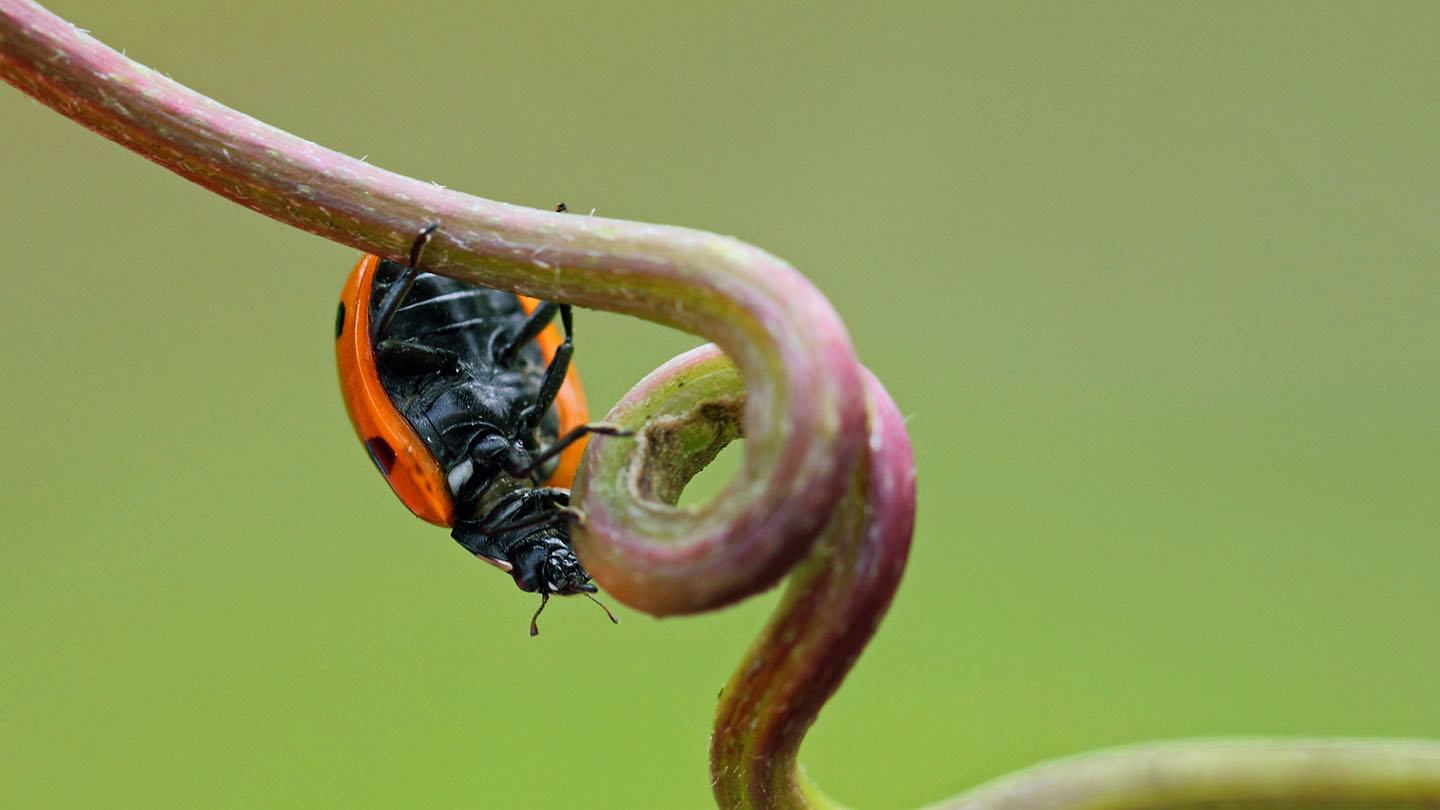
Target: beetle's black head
x=549, y=566
x=540, y=560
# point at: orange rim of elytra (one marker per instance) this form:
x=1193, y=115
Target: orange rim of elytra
x=409, y=466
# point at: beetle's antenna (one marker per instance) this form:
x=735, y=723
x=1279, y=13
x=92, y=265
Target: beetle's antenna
x=602, y=607
x=544, y=599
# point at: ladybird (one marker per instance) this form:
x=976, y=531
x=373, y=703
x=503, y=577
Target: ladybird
x=465, y=399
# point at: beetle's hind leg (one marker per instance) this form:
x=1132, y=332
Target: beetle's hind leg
x=394, y=296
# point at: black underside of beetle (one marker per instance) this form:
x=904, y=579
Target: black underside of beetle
x=455, y=406
x=441, y=361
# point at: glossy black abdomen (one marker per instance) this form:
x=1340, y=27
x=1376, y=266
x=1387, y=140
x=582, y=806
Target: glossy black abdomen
x=455, y=406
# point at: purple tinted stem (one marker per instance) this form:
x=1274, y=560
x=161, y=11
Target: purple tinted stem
x=834, y=602
x=805, y=410
x=837, y=594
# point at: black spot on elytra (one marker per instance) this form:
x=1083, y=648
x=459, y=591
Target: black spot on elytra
x=382, y=454
x=339, y=320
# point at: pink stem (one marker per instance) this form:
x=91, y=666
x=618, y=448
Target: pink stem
x=805, y=409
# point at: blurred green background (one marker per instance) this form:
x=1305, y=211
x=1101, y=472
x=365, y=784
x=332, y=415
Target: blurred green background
x=1157, y=287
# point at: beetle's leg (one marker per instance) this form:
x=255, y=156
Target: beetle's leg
x=531, y=329
x=554, y=375
x=575, y=435
x=475, y=537
x=502, y=517
x=412, y=359
x=556, y=516
x=537, y=322
x=498, y=535
x=522, y=497
x=390, y=304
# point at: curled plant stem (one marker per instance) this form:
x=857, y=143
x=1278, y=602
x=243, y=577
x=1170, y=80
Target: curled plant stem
x=687, y=410
x=837, y=595
x=805, y=408
x=827, y=480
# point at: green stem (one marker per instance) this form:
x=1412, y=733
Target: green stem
x=1269, y=774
